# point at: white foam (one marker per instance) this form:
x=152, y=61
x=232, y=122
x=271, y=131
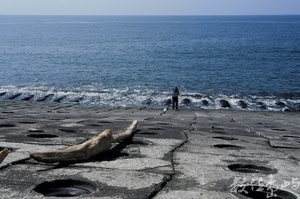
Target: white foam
x=139, y=97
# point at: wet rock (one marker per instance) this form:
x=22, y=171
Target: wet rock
x=280, y=104
x=224, y=103
x=186, y=101
x=204, y=102
x=242, y=104
x=43, y=98
x=27, y=98
x=3, y=93
x=14, y=96
x=294, y=107
x=261, y=105
x=77, y=99
x=59, y=99
x=168, y=102
x=148, y=101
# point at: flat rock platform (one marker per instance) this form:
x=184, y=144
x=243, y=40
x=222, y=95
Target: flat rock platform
x=189, y=153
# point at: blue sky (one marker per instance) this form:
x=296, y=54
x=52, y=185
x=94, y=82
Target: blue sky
x=150, y=7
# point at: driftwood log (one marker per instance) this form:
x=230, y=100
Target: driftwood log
x=3, y=154
x=88, y=149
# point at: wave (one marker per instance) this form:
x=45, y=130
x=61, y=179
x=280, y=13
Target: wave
x=151, y=98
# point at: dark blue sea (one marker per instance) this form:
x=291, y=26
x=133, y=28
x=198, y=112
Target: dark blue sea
x=252, y=62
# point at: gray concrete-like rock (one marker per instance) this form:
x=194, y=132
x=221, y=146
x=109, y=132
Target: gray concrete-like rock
x=178, y=154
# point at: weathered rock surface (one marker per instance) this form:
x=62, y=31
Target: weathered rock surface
x=172, y=155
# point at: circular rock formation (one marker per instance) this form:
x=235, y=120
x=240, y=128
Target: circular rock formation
x=64, y=188
x=225, y=138
x=42, y=135
x=252, y=168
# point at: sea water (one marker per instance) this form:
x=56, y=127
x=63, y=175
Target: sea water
x=135, y=61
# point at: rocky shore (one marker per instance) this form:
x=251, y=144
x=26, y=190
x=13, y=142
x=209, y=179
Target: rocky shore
x=190, y=153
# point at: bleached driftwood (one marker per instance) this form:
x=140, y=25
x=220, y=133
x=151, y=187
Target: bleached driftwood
x=88, y=149
x=3, y=154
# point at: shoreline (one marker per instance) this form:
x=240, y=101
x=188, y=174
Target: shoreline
x=179, y=154
x=151, y=107
x=138, y=98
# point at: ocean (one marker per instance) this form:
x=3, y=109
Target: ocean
x=234, y=62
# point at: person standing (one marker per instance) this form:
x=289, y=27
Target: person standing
x=175, y=95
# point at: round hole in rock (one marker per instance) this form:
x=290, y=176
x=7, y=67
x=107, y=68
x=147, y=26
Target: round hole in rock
x=259, y=192
x=27, y=122
x=65, y=188
x=290, y=136
x=225, y=138
x=162, y=123
x=217, y=128
x=7, y=125
x=219, y=132
x=156, y=128
x=121, y=119
x=251, y=168
x=228, y=146
x=42, y=135
x=105, y=122
x=67, y=130
x=276, y=129
x=97, y=125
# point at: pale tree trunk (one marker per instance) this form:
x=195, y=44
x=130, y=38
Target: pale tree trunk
x=88, y=149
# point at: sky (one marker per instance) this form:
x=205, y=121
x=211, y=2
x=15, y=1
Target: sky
x=149, y=7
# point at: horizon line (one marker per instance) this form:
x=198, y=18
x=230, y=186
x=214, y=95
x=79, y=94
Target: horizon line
x=150, y=15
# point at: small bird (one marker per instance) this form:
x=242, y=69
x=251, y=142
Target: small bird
x=3, y=154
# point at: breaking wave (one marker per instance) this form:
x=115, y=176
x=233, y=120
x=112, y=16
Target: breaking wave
x=151, y=98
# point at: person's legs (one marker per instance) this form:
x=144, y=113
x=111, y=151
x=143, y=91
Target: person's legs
x=176, y=100
x=173, y=102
